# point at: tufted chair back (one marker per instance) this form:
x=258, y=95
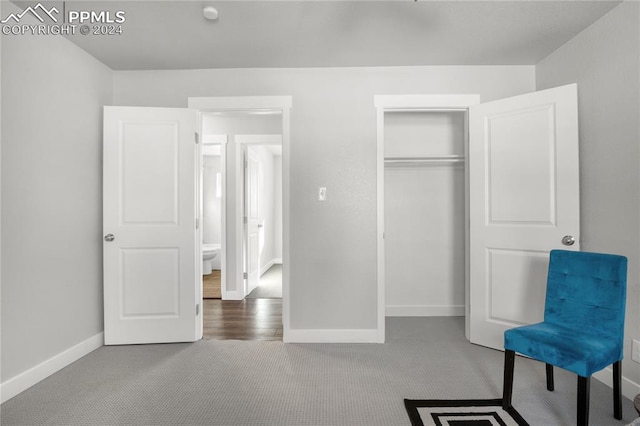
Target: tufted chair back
x=587, y=292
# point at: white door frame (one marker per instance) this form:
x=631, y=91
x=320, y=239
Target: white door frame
x=222, y=141
x=240, y=142
x=399, y=103
x=281, y=104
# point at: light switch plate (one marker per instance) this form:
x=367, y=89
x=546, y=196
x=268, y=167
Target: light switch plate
x=322, y=193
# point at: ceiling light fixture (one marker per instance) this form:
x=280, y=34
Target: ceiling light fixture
x=210, y=13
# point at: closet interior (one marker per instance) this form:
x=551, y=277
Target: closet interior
x=424, y=211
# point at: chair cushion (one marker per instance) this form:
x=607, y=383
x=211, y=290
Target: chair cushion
x=583, y=354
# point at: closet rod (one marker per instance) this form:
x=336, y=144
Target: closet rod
x=425, y=109
x=445, y=159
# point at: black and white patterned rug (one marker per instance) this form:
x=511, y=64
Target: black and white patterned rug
x=468, y=412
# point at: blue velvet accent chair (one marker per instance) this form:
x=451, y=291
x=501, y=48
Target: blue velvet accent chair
x=583, y=327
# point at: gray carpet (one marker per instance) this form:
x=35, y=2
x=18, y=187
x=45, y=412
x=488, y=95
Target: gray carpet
x=270, y=286
x=272, y=383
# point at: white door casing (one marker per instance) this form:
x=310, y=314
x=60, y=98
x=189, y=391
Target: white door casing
x=283, y=105
x=253, y=221
x=150, y=202
x=524, y=198
x=221, y=141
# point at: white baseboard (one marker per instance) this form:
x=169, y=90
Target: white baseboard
x=25, y=380
x=250, y=288
x=629, y=388
x=331, y=336
x=269, y=264
x=424, y=310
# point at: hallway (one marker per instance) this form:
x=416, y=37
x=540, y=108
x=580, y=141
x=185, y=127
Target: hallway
x=249, y=319
x=270, y=286
x=257, y=317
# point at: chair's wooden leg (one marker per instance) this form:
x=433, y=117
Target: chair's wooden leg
x=617, y=390
x=550, y=386
x=507, y=386
x=583, y=400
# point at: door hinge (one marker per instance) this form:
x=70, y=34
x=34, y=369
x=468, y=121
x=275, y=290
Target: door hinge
x=246, y=164
x=245, y=220
x=197, y=309
x=197, y=138
x=197, y=223
x=245, y=276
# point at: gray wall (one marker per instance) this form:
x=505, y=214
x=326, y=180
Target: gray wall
x=52, y=98
x=604, y=61
x=333, y=144
x=2, y=10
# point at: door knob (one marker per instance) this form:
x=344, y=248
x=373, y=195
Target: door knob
x=109, y=237
x=568, y=240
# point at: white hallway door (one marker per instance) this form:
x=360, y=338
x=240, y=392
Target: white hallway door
x=252, y=219
x=524, y=202
x=150, y=292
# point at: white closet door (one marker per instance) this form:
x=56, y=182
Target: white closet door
x=524, y=199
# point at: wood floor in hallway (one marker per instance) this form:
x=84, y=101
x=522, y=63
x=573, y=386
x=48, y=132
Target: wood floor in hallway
x=249, y=319
x=211, y=285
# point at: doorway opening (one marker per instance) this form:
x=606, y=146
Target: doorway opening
x=211, y=201
x=262, y=215
x=422, y=206
x=244, y=151
x=424, y=178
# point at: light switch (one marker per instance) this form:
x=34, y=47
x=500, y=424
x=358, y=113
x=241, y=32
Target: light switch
x=322, y=193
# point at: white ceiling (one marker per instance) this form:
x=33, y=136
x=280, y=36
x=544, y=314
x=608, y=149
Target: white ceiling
x=174, y=34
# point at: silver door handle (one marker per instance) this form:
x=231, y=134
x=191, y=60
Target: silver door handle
x=568, y=240
x=109, y=237
x=260, y=226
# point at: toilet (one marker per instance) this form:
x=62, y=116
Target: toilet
x=209, y=252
